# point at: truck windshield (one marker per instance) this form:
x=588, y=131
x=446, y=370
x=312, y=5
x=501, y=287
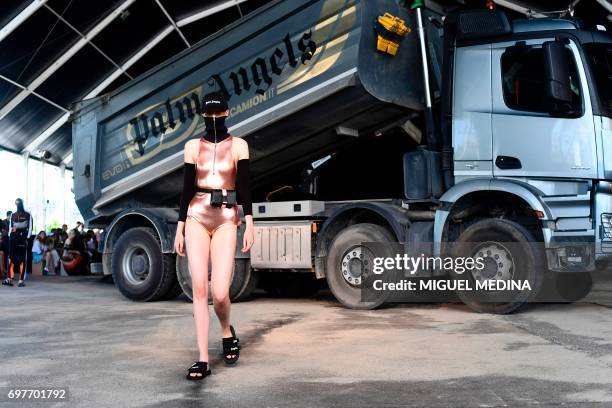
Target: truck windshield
x=600, y=56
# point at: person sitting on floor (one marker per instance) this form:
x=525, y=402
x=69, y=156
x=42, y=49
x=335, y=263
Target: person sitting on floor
x=92, y=246
x=39, y=247
x=74, y=258
x=52, y=258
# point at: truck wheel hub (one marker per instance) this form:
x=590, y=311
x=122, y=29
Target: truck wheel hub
x=354, y=266
x=136, y=265
x=497, y=260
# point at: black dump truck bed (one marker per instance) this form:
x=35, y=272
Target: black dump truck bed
x=295, y=71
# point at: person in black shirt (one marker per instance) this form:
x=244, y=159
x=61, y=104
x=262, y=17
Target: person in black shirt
x=5, y=224
x=3, y=254
x=74, y=258
x=21, y=229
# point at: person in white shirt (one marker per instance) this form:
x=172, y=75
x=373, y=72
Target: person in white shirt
x=39, y=247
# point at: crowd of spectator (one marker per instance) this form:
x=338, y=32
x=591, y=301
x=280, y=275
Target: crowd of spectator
x=61, y=250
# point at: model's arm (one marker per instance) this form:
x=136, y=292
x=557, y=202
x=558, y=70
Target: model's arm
x=243, y=193
x=243, y=186
x=189, y=188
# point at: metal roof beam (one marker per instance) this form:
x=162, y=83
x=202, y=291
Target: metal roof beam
x=605, y=4
x=20, y=18
x=176, y=27
x=67, y=159
x=57, y=64
x=46, y=134
x=131, y=61
x=88, y=41
x=33, y=145
x=208, y=11
x=18, y=85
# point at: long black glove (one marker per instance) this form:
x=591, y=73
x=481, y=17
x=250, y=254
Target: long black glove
x=189, y=189
x=243, y=186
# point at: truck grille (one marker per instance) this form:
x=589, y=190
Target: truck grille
x=606, y=239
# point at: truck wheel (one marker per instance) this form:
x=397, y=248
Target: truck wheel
x=509, y=252
x=345, y=264
x=174, y=291
x=184, y=276
x=140, y=270
x=244, y=279
x=573, y=286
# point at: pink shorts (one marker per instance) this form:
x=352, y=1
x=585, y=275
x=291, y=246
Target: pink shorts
x=211, y=218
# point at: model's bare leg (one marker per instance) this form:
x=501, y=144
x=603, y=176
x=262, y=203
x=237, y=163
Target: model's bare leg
x=197, y=242
x=223, y=250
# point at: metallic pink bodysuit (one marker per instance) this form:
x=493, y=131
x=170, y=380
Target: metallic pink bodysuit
x=215, y=168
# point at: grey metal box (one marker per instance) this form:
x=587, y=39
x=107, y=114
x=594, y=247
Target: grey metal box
x=282, y=245
x=288, y=209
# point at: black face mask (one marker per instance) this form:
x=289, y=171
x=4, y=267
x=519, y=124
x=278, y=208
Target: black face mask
x=215, y=128
x=19, y=205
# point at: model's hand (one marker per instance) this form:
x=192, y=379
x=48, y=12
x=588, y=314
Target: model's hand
x=249, y=236
x=179, y=241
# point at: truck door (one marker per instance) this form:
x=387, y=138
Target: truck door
x=527, y=140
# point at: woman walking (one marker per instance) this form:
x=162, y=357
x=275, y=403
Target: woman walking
x=216, y=179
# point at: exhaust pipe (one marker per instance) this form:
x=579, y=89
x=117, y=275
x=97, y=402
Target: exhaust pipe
x=429, y=121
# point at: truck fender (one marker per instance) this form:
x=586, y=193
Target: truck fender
x=526, y=192
x=163, y=220
x=394, y=216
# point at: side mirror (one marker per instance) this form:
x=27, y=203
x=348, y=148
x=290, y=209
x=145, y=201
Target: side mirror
x=556, y=73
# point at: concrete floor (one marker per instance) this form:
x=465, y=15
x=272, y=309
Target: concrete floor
x=109, y=351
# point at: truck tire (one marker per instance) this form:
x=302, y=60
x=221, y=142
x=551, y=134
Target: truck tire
x=244, y=279
x=524, y=261
x=140, y=270
x=573, y=286
x=174, y=291
x=183, y=276
x=346, y=283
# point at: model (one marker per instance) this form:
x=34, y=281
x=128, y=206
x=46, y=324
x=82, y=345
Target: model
x=216, y=179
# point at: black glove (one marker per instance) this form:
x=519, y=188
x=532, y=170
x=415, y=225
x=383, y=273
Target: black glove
x=243, y=186
x=189, y=189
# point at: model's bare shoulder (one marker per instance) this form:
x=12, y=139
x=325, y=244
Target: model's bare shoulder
x=242, y=148
x=190, y=150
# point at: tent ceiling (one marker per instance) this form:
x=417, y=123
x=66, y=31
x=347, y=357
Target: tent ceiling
x=54, y=52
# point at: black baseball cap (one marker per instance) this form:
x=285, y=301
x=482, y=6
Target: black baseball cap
x=214, y=102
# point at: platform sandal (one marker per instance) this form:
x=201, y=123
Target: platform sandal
x=231, y=347
x=199, y=367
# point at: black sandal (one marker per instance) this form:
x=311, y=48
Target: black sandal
x=231, y=347
x=199, y=367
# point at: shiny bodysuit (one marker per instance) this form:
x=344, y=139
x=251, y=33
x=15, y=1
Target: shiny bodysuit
x=215, y=169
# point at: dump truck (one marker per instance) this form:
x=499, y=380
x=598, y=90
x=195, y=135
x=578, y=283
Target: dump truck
x=367, y=121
